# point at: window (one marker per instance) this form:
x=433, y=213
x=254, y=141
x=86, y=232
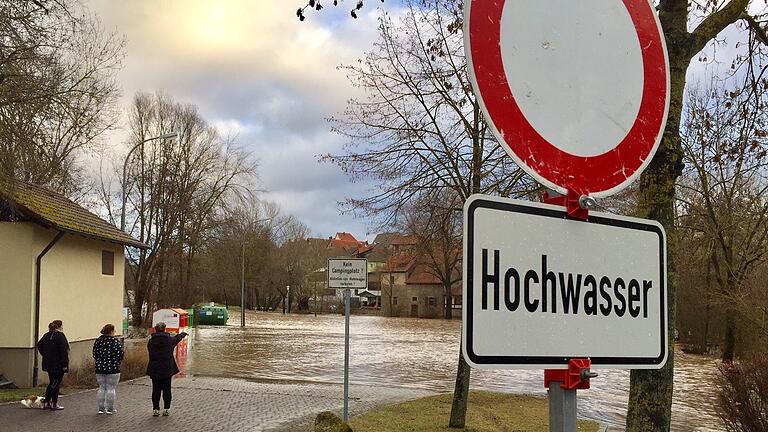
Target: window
x=107, y=263
x=432, y=301
x=394, y=300
x=414, y=299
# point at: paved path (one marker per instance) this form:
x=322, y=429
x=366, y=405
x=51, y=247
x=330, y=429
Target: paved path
x=205, y=405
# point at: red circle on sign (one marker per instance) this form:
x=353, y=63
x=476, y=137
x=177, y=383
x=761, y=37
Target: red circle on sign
x=598, y=175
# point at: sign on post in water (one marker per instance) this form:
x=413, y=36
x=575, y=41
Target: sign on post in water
x=349, y=274
x=541, y=289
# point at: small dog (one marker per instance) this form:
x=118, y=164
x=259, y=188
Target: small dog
x=32, y=402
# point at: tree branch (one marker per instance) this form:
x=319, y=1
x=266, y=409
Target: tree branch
x=760, y=33
x=717, y=22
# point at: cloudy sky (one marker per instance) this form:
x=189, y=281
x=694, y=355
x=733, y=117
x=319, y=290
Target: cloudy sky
x=254, y=69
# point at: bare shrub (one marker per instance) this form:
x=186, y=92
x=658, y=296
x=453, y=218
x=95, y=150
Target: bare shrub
x=743, y=396
x=134, y=365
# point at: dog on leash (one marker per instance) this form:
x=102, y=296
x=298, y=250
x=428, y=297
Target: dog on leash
x=32, y=402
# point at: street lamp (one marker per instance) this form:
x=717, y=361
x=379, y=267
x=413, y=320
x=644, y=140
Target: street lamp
x=125, y=169
x=242, y=273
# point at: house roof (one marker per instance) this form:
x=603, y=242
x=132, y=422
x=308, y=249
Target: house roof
x=363, y=250
x=420, y=275
x=344, y=239
x=378, y=253
x=398, y=263
x=385, y=239
x=405, y=240
x=51, y=209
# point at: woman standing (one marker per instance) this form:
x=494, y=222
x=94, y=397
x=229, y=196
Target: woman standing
x=162, y=366
x=54, y=348
x=107, y=355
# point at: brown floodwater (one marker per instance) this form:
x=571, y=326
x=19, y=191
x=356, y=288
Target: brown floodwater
x=417, y=353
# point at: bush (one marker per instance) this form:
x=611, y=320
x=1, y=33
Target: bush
x=743, y=395
x=134, y=366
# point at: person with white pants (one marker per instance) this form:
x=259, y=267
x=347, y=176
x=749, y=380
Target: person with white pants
x=107, y=355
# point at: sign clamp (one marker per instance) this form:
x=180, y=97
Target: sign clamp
x=562, y=385
x=576, y=205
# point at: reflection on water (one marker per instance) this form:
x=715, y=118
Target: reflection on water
x=418, y=354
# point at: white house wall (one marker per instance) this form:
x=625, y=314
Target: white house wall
x=17, y=268
x=73, y=288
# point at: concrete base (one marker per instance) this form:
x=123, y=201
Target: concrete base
x=16, y=363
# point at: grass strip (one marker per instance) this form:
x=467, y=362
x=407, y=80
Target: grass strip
x=487, y=412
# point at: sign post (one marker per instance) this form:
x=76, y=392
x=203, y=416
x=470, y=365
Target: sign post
x=347, y=274
x=578, y=95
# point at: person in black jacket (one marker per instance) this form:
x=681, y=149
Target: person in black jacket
x=162, y=366
x=54, y=348
x=107, y=356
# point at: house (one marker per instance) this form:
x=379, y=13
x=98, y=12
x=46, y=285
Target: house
x=411, y=290
x=57, y=261
x=410, y=287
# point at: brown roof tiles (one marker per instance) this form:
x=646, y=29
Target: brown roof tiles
x=54, y=210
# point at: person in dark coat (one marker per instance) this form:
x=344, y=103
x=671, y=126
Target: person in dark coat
x=107, y=356
x=54, y=348
x=162, y=366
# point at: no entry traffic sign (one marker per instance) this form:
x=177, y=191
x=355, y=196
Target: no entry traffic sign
x=577, y=92
x=540, y=289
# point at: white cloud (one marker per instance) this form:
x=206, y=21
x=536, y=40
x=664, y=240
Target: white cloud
x=256, y=72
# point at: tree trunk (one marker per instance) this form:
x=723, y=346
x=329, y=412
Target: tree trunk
x=137, y=319
x=448, y=307
x=729, y=343
x=460, y=394
x=650, y=395
x=461, y=390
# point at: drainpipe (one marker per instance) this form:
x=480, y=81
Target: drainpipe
x=38, y=269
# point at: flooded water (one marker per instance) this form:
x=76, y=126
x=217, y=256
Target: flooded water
x=417, y=354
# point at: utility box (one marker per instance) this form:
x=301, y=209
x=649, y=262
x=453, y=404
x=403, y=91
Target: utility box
x=176, y=320
x=212, y=315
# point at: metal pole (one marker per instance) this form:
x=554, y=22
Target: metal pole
x=562, y=408
x=242, y=285
x=347, y=295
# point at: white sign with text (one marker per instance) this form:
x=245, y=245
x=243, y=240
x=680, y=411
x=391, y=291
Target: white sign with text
x=348, y=273
x=541, y=289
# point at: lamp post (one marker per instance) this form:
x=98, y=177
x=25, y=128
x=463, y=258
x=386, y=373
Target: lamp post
x=288, y=297
x=125, y=169
x=242, y=273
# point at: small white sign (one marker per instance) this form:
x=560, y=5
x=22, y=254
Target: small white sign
x=541, y=289
x=348, y=273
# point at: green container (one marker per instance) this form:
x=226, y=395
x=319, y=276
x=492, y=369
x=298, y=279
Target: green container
x=191, y=319
x=212, y=315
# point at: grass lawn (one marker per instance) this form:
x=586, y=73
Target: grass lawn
x=487, y=412
x=15, y=395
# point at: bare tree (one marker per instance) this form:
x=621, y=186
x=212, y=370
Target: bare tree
x=723, y=195
x=176, y=194
x=650, y=396
x=57, y=89
x=419, y=128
